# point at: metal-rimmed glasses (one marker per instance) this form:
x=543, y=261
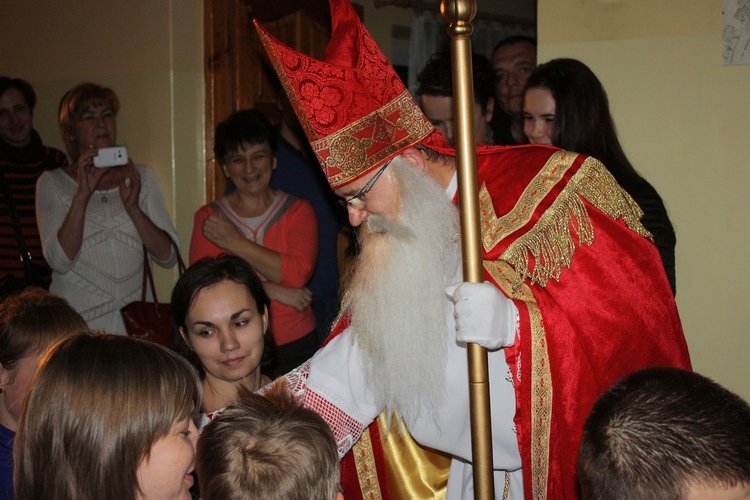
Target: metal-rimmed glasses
x=358, y=200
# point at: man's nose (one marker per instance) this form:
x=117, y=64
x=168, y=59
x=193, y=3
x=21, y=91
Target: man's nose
x=450, y=134
x=357, y=215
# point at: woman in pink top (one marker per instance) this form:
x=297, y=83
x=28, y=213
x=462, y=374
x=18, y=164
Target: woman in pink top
x=271, y=230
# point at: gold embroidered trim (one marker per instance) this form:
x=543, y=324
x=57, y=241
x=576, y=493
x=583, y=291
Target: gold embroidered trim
x=541, y=380
x=495, y=228
x=506, y=486
x=364, y=460
x=550, y=243
x=348, y=150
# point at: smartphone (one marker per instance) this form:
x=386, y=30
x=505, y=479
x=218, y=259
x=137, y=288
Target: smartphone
x=111, y=157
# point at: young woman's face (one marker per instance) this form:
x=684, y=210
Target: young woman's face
x=97, y=127
x=225, y=330
x=14, y=384
x=166, y=473
x=538, y=115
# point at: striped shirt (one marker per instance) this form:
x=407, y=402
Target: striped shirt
x=21, y=167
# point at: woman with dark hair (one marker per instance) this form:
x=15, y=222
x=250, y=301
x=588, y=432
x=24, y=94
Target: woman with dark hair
x=565, y=105
x=273, y=231
x=220, y=313
x=95, y=222
x=108, y=417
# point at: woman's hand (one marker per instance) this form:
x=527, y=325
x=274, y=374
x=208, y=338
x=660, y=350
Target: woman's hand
x=298, y=298
x=88, y=176
x=130, y=187
x=70, y=233
x=222, y=233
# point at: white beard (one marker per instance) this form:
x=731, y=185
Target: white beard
x=397, y=294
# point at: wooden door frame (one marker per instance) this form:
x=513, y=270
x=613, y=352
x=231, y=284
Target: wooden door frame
x=229, y=43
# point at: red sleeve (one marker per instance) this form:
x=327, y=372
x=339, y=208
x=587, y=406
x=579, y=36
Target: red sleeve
x=200, y=246
x=295, y=238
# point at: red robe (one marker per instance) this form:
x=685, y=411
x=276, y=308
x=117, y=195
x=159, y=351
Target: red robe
x=564, y=242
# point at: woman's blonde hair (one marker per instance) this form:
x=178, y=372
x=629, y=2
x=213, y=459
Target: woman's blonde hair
x=95, y=407
x=74, y=104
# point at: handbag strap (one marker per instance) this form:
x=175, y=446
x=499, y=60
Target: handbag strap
x=149, y=278
x=23, y=250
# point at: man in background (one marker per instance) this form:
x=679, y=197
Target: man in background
x=435, y=96
x=513, y=60
x=23, y=158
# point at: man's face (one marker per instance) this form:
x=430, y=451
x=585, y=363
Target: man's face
x=512, y=65
x=15, y=119
x=382, y=198
x=439, y=110
x=408, y=259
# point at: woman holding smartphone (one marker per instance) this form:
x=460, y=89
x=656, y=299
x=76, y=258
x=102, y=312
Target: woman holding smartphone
x=95, y=221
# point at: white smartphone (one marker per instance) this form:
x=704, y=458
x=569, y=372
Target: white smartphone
x=111, y=157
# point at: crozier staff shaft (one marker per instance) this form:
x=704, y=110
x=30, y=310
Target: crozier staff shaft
x=459, y=15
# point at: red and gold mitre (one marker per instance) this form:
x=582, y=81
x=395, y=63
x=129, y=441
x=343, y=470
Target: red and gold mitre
x=354, y=109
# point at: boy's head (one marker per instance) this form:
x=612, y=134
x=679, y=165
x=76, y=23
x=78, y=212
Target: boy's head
x=268, y=448
x=664, y=433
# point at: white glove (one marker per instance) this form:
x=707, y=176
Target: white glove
x=484, y=316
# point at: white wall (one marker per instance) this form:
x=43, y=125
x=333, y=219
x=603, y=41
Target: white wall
x=684, y=121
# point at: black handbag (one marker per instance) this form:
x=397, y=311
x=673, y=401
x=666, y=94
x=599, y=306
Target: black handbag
x=150, y=320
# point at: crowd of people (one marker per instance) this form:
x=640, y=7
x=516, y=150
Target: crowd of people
x=278, y=384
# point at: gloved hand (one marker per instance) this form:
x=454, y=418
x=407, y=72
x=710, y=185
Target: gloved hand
x=484, y=316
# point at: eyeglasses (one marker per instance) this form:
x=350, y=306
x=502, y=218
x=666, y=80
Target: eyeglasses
x=358, y=200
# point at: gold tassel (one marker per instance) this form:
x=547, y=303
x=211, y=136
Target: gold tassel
x=551, y=242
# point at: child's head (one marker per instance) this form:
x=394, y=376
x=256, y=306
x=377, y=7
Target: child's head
x=29, y=323
x=268, y=448
x=665, y=434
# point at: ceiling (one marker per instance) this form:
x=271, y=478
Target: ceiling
x=270, y=10
x=524, y=9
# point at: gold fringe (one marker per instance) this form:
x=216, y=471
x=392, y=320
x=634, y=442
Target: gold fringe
x=594, y=182
x=551, y=244
x=494, y=228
